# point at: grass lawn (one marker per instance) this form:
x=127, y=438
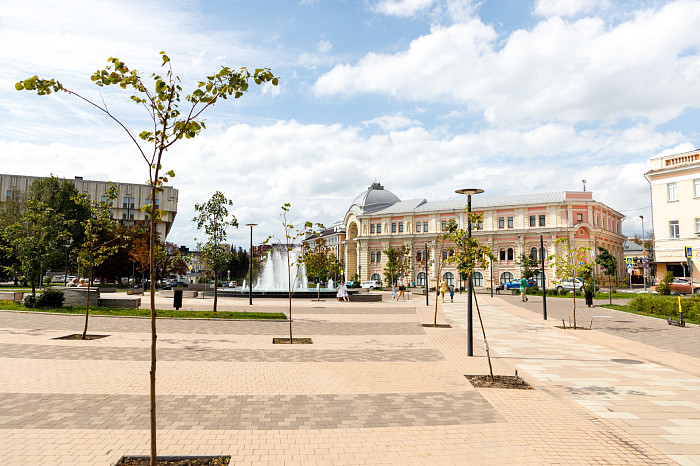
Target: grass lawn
x=626, y=308
x=106, y=311
x=599, y=296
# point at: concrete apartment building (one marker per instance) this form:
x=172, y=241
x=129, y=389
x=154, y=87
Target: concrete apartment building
x=127, y=207
x=675, y=204
x=512, y=224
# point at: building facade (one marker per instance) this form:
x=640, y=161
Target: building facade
x=675, y=204
x=127, y=207
x=512, y=225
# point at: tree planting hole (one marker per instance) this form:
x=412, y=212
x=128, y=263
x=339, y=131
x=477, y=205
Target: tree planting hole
x=296, y=341
x=627, y=361
x=79, y=336
x=437, y=326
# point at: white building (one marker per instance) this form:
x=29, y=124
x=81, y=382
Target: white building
x=512, y=224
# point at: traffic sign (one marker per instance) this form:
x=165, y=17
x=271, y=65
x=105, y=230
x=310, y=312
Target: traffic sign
x=630, y=261
x=689, y=252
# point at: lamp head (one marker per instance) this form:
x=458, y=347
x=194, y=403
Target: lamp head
x=469, y=191
x=251, y=224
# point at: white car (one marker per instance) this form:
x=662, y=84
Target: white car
x=371, y=284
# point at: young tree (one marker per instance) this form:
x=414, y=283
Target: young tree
x=468, y=253
x=317, y=259
x=570, y=265
x=609, y=263
x=393, y=264
x=213, y=218
x=528, y=265
x=291, y=234
x=170, y=120
x=442, y=257
x=98, y=246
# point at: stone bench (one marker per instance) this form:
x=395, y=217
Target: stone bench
x=128, y=303
x=364, y=297
x=15, y=296
x=76, y=296
x=185, y=293
x=134, y=291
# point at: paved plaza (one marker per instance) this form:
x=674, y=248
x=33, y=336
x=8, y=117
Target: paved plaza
x=375, y=387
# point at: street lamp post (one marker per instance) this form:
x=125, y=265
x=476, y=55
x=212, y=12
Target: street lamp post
x=67, y=246
x=644, y=255
x=426, y=274
x=250, y=273
x=544, y=287
x=470, y=328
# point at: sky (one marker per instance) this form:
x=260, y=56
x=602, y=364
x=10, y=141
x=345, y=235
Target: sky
x=423, y=96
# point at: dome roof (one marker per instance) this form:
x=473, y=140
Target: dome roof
x=374, y=199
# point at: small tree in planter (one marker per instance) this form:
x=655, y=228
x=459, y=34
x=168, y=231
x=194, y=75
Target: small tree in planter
x=317, y=259
x=570, y=265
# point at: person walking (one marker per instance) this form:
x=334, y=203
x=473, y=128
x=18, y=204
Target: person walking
x=443, y=290
x=452, y=294
x=402, y=290
x=342, y=293
x=523, y=289
x=393, y=292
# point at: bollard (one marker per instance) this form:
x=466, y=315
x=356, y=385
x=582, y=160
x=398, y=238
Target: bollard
x=177, y=299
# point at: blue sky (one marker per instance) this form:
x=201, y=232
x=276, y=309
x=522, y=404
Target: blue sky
x=425, y=96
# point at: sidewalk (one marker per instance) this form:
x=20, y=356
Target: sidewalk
x=374, y=388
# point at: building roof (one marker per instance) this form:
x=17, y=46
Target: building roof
x=374, y=199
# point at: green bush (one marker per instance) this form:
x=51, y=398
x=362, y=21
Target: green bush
x=47, y=299
x=533, y=290
x=664, y=286
x=664, y=306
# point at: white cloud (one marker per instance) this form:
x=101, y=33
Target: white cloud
x=566, y=8
x=402, y=8
x=647, y=67
x=391, y=122
x=324, y=46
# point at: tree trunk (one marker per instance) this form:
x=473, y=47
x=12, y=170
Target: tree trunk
x=610, y=288
x=289, y=283
x=152, y=276
x=483, y=332
x=216, y=282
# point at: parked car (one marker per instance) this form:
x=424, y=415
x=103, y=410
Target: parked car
x=568, y=285
x=682, y=285
x=513, y=284
x=349, y=284
x=171, y=285
x=371, y=284
x=58, y=279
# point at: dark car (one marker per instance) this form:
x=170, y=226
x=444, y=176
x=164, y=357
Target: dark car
x=513, y=284
x=171, y=285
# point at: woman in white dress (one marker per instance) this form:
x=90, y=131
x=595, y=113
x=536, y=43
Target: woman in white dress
x=342, y=292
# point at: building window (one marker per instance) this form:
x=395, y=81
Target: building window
x=400, y=227
x=480, y=225
x=444, y=254
x=128, y=203
x=533, y=253
x=532, y=220
x=379, y=228
x=538, y=278
x=579, y=217
x=417, y=227
x=444, y=225
x=501, y=222
x=673, y=232
x=697, y=227
x=393, y=227
x=510, y=254
x=420, y=279
x=371, y=256
x=376, y=277
x=8, y=194
x=506, y=277
x=696, y=188
x=379, y=256
x=672, y=189
x=477, y=279
x=130, y=217
x=541, y=220
x=371, y=228
x=449, y=278
x=419, y=254
x=425, y=227
x=510, y=222
x=502, y=254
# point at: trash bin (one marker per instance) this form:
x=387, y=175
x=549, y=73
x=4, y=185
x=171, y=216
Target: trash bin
x=589, y=298
x=177, y=299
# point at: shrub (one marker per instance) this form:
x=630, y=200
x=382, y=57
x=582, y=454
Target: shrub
x=533, y=290
x=664, y=286
x=664, y=306
x=49, y=298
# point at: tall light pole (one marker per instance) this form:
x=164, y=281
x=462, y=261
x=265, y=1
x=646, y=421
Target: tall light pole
x=644, y=255
x=250, y=274
x=470, y=328
x=68, y=244
x=544, y=288
x=426, y=274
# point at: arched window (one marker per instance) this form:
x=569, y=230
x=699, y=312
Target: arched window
x=533, y=253
x=538, y=278
x=506, y=277
x=379, y=256
x=510, y=254
x=372, y=256
x=376, y=277
x=449, y=278
x=444, y=254
x=477, y=279
x=420, y=279
x=502, y=254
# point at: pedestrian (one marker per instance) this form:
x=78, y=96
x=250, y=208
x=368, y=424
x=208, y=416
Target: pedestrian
x=402, y=289
x=443, y=290
x=452, y=294
x=523, y=289
x=342, y=292
x=393, y=292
